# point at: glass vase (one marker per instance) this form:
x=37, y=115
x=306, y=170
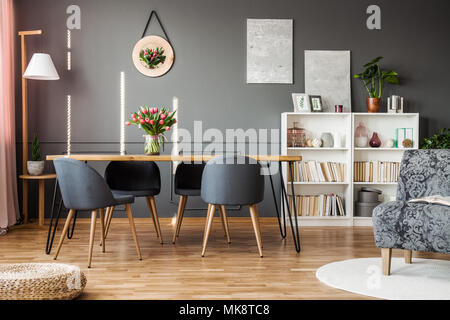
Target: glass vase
x=152, y=146
x=296, y=136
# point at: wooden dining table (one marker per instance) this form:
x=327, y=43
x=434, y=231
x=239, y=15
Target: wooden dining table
x=290, y=160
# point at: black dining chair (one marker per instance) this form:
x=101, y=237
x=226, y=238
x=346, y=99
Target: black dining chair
x=83, y=188
x=188, y=183
x=232, y=180
x=138, y=179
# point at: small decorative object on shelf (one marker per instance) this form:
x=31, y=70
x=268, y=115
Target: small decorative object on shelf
x=404, y=134
x=373, y=78
x=407, y=143
x=339, y=108
x=155, y=123
x=316, y=103
x=390, y=143
x=296, y=136
x=309, y=142
x=301, y=102
x=375, y=142
x=395, y=104
x=35, y=167
x=317, y=143
x=327, y=140
x=339, y=140
x=361, y=136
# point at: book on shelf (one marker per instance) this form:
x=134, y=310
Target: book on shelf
x=323, y=205
x=315, y=171
x=376, y=171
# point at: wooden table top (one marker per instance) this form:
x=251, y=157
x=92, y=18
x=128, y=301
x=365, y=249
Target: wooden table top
x=41, y=177
x=166, y=158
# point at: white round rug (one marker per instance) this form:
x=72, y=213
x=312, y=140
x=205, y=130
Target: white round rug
x=424, y=279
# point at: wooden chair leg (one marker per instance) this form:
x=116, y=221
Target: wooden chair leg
x=133, y=230
x=108, y=220
x=91, y=238
x=105, y=223
x=386, y=255
x=152, y=208
x=180, y=213
x=63, y=234
x=223, y=215
x=208, y=224
x=408, y=256
x=102, y=227
x=255, y=221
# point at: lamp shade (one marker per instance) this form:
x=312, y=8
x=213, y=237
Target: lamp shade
x=41, y=67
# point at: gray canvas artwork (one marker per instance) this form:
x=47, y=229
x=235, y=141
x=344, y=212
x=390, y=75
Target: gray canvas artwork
x=327, y=73
x=269, y=51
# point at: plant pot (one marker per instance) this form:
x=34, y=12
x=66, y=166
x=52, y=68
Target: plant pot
x=152, y=147
x=35, y=168
x=373, y=104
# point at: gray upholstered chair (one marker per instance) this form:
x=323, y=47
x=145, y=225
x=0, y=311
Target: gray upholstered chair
x=138, y=179
x=188, y=183
x=414, y=226
x=83, y=188
x=232, y=180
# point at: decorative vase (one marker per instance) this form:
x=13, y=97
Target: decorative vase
x=35, y=168
x=373, y=104
x=361, y=136
x=327, y=140
x=375, y=142
x=296, y=136
x=152, y=146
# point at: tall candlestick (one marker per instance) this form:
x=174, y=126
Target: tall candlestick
x=69, y=124
x=122, y=113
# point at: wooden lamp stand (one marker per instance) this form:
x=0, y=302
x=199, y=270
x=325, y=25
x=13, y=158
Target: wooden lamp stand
x=46, y=75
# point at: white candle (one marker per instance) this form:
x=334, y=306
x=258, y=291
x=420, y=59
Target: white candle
x=69, y=124
x=122, y=113
x=175, y=137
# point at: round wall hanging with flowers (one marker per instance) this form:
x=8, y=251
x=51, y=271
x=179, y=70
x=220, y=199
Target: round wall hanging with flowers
x=153, y=56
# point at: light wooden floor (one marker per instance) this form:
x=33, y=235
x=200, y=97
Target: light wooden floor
x=170, y=271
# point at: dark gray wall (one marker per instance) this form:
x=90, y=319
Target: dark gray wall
x=209, y=74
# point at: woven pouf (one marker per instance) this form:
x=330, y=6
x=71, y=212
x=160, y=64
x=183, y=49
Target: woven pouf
x=40, y=281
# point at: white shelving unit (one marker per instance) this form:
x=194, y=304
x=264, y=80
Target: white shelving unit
x=385, y=124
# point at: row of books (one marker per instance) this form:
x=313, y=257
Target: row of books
x=315, y=171
x=376, y=171
x=318, y=205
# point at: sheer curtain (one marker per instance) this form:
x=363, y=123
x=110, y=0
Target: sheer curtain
x=9, y=213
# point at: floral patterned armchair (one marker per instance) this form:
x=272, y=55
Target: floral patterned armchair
x=411, y=225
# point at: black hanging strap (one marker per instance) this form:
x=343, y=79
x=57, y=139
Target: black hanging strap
x=159, y=21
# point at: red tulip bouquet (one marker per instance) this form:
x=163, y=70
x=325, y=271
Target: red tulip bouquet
x=155, y=123
x=152, y=57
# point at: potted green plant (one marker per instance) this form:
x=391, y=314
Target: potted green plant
x=374, y=79
x=155, y=123
x=35, y=167
x=440, y=140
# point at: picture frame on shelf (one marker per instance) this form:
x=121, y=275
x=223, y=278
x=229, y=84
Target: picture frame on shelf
x=301, y=102
x=405, y=134
x=316, y=103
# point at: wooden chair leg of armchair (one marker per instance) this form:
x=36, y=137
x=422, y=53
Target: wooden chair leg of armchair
x=152, y=208
x=64, y=232
x=408, y=256
x=255, y=221
x=208, y=224
x=386, y=255
x=102, y=227
x=223, y=215
x=92, y=235
x=133, y=230
x=180, y=214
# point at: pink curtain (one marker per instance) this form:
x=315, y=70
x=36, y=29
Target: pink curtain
x=9, y=212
